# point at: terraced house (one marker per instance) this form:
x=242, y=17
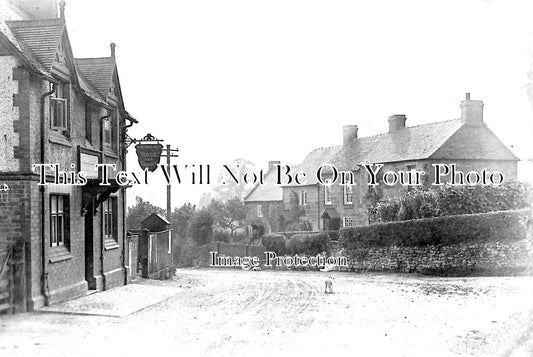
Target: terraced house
x=466, y=142
x=58, y=109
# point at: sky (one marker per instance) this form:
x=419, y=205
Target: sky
x=272, y=80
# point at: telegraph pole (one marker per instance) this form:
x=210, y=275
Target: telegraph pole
x=169, y=206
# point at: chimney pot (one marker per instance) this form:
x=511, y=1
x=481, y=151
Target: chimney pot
x=112, y=45
x=62, y=9
x=396, y=122
x=467, y=96
x=349, y=133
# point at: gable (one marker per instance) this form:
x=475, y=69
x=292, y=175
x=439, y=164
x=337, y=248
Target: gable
x=99, y=72
x=474, y=143
x=41, y=38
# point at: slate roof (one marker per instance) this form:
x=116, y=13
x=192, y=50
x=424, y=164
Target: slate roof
x=98, y=71
x=446, y=140
x=41, y=38
x=268, y=191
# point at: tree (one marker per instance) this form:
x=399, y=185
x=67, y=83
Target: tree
x=141, y=210
x=227, y=187
x=201, y=228
x=181, y=218
x=229, y=214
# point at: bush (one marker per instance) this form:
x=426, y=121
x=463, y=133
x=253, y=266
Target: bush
x=221, y=236
x=308, y=244
x=193, y=255
x=201, y=230
x=449, y=230
x=452, y=200
x=274, y=243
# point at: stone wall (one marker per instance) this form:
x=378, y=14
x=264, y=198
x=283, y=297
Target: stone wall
x=486, y=258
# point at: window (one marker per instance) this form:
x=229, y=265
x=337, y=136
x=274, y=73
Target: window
x=303, y=198
x=259, y=211
x=348, y=194
x=59, y=220
x=327, y=193
x=110, y=218
x=59, y=108
x=107, y=132
x=347, y=221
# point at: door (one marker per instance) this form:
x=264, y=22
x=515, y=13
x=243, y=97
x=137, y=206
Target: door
x=89, y=248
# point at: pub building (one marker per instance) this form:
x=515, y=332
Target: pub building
x=58, y=109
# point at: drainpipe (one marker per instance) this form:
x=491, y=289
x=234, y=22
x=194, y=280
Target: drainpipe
x=102, y=250
x=123, y=158
x=44, y=276
x=318, y=203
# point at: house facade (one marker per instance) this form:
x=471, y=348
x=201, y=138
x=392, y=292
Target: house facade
x=264, y=205
x=466, y=142
x=59, y=115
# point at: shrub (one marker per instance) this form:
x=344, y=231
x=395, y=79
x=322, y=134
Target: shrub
x=452, y=200
x=308, y=244
x=274, y=243
x=221, y=236
x=449, y=230
x=201, y=230
x=193, y=255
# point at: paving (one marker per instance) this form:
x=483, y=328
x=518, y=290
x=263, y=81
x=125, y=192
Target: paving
x=117, y=302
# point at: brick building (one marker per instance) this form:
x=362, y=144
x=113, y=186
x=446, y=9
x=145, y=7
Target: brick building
x=466, y=142
x=57, y=109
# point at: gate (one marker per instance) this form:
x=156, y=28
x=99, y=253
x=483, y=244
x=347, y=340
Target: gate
x=6, y=280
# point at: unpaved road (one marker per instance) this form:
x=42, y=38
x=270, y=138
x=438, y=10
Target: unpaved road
x=246, y=313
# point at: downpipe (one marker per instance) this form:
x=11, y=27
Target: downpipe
x=45, y=291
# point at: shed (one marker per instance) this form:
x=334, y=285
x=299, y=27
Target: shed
x=155, y=223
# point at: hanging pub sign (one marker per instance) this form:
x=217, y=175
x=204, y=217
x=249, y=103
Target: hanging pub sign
x=149, y=154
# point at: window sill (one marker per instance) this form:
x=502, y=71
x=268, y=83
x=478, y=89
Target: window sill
x=110, y=153
x=110, y=244
x=59, y=254
x=59, y=139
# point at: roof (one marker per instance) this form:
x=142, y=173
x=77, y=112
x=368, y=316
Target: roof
x=268, y=191
x=451, y=139
x=41, y=37
x=21, y=50
x=98, y=71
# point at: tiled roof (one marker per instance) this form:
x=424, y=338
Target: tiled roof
x=41, y=38
x=409, y=143
x=474, y=143
x=268, y=191
x=452, y=139
x=98, y=71
x=89, y=90
x=20, y=48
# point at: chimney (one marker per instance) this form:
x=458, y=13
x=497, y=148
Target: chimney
x=349, y=133
x=38, y=9
x=112, y=45
x=62, y=10
x=272, y=164
x=472, y=111
x=396, y=122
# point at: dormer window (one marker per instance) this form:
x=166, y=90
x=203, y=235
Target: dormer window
x=59, y=108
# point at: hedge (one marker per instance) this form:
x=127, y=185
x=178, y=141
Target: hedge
x=333, y=235
x=308, y=243
x=274, y=243
x=448, y=230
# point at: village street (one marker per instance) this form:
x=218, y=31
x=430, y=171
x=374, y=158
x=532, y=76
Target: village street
x=260, y=313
